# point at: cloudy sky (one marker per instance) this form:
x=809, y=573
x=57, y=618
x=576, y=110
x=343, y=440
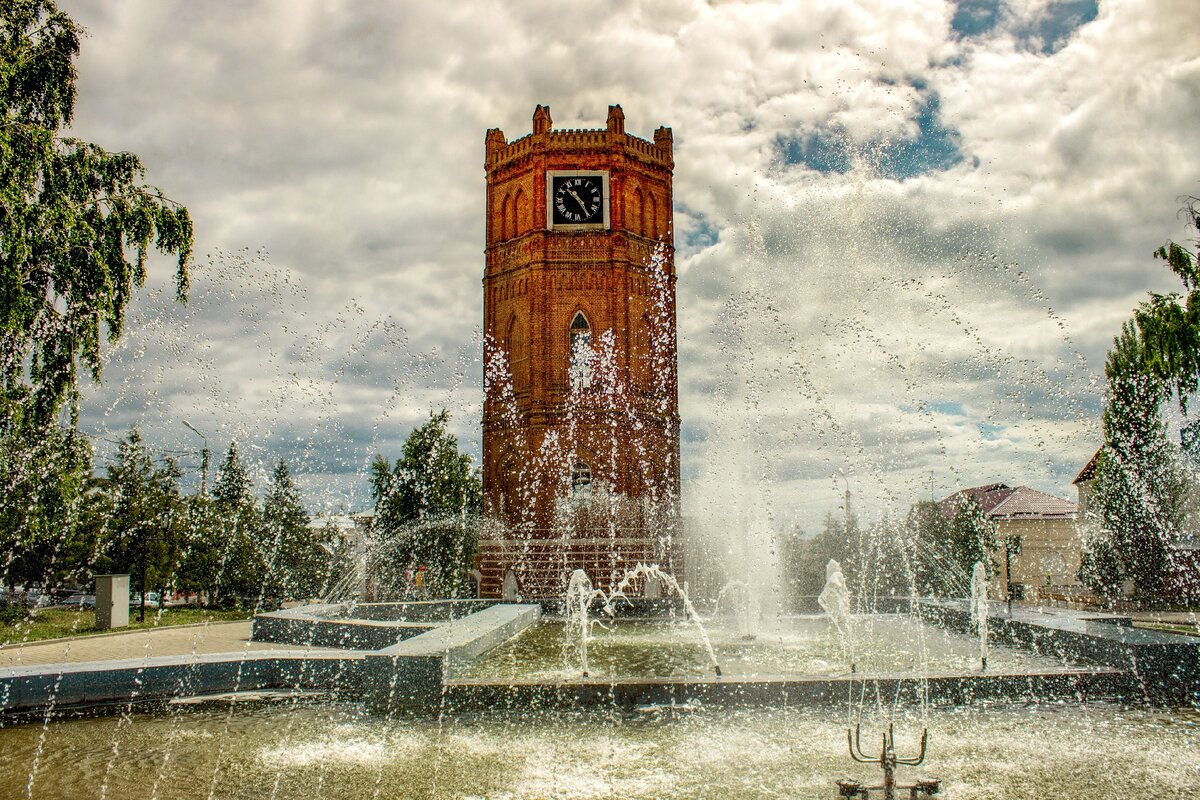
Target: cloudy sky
x=906, y=231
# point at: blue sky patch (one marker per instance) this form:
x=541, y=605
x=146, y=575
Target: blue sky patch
x=825, y=151
x=1047, y=34
x=1050, y=32
x=947, y=407
x=700, y=235
x=989, y=431
x=973, y=17
x=830, y=150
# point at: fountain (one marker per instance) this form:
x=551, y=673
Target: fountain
x=581, y=595
x=466, y=697
x=578, y=600
x=979, y=610
x=745, y=608
x=654, y=572
x=835, y=598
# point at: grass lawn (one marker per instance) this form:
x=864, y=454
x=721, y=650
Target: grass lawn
x=1169, y=627
x=53, y=623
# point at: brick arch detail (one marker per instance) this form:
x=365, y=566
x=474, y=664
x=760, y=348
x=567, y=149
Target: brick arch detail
x=505, y=212
x=637, y=217
x=519, y=204
x=516, y=344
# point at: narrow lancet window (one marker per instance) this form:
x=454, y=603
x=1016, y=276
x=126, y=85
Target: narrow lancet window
x=580, y=370
x=581, y=479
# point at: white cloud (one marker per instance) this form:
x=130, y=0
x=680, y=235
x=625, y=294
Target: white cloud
x=951, y=325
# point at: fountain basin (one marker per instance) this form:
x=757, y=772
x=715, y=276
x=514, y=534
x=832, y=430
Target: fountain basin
x=339, y=750
x=470, y=659
x=791, y=646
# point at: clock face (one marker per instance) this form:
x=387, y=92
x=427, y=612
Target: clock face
x=577, y=199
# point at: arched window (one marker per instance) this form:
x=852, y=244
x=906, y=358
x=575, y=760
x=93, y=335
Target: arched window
x=581, y=478
x=505, y=213
x=518, y=212
x=643, y=361
x=518, y=355
x=637, y=216
x=510, y=588
x=580, y=370
x=509, y=500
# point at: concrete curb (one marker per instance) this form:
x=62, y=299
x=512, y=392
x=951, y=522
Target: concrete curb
x=416, y=662
x=1167, y=666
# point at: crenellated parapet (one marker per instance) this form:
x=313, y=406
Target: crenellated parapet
x=498, y=151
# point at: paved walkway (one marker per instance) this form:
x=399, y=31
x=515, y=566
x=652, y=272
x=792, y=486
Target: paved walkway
x=1174, y=617
x=216, y=637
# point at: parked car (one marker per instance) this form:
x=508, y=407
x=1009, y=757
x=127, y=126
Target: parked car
x=34, y=598
x=61, y=593
x=80, y=601
x=153, y=599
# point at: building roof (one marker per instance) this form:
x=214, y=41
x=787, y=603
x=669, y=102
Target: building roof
x=1000, y=501
x=342, y=522
x=1089, y=470
x=1026, y=503
x=986, y=497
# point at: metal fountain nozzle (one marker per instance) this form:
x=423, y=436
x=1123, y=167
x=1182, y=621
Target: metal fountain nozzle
x=888, y=761
x=849, y=788
x=929, y=786
x=887, y=754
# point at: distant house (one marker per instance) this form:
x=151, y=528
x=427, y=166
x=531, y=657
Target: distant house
x=1041, y=531
x=350, y=528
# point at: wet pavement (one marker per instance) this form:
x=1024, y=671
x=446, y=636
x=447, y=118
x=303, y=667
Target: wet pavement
x=214, y=637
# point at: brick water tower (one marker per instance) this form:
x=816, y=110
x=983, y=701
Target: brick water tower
x=581, y=412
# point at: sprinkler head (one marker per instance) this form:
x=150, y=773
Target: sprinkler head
x=929, y=786
x=849, y=788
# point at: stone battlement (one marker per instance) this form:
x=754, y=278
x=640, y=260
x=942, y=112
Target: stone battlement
x=500, y=151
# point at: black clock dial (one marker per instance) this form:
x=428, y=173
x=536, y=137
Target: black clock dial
x=578, y=199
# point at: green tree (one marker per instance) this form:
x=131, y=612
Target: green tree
x=76, y=226
x=1143, y=490
x=70, y=212
x=1100, y=564
x=935, y=572
x=42, y=478
x=972, y=538
x=201, y=557
x=427, y=508
x=297, y=565
x=145, y=515
x=1168, y=325
x=1140, y=489
x=235, y=525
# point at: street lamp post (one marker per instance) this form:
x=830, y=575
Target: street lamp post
x=203, y=458
x=1012, y=544
x=1008, y=574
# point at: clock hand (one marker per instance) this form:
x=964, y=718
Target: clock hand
x=577, y=200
